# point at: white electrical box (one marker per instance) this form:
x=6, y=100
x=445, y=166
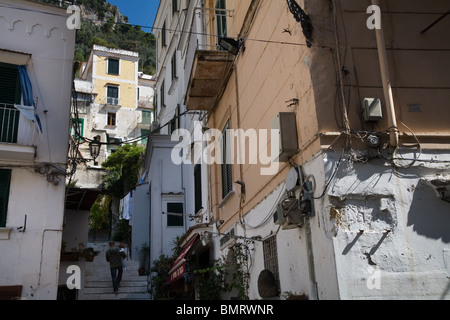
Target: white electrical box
x=286, y=123
x=372, y=109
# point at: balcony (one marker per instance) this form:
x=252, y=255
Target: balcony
x=113, y=101
x=17, y=135
x=210, y=72
x=212, y=65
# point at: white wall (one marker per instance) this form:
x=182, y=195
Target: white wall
x=166, y=183
x=406, y=229
x=140, y=219
x=31, y=258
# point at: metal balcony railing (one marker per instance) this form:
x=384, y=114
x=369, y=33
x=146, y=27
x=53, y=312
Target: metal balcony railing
x=9, y=123
x=216, y=23
x=113, y=101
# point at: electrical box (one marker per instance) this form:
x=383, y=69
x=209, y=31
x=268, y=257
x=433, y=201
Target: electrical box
x=289, y=214
x=372, y=109
x=286, y=123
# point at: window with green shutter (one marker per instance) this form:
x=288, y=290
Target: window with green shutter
x=77, y=129
x=113, y=66
x=5, y=179
x=175, y=214
x=10, y=94
x=227, y=178
x=198, y=187
x=221, y=14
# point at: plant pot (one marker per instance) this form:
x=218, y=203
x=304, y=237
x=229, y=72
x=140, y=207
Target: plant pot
x=141, y=272
x=90, y=258
x=70, y=256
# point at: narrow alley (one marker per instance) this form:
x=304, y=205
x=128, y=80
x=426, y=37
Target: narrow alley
x=98, y=284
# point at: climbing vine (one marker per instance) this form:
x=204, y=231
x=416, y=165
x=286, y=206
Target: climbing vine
x=227, y=276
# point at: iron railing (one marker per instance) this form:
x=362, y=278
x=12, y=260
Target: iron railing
x=9, y=123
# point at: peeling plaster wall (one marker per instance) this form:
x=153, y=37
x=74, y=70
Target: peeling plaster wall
x=390, y=229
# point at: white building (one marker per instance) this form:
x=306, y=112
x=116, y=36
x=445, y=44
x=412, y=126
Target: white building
x=33, y=154
x=172, y=197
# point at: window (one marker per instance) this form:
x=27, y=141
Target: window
x=111, y=119
x=83, y=99
x=174, y=66
x=76, y=128
x=10, y=94
x=227, y=179
x=163, y=35
x=162, y=95
x=271, y=258
x=146, y=117
x=198, y=187
x=144, y=134
x=5, y=180
x=175, y=214
x=112, y=95
x=221, y=18
x=113, y=66
x=174, y=6
x=175, y=123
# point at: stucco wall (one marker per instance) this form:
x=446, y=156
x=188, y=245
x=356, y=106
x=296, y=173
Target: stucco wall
x=31, y=258
x=390, y=230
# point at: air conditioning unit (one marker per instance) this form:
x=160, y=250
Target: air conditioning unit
x=286, y=123
x=289, y=214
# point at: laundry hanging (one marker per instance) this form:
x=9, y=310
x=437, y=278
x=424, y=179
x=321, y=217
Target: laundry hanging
x=28, y=108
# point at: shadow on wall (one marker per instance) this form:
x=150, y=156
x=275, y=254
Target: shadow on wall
x=429, y=214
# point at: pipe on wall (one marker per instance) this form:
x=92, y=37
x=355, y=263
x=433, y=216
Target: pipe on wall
x=387, y=88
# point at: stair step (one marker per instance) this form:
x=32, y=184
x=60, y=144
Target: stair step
x=120, y=296
x=109, y=289
x=108, y=283
x=98, y=284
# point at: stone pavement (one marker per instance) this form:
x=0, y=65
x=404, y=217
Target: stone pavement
x=98, y=283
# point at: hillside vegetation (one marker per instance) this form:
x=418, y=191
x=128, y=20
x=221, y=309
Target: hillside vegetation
x=103, y=24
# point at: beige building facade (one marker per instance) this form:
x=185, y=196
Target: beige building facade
x=358, y=208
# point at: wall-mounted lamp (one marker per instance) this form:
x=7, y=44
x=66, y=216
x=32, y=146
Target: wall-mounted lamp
x=219, y=223
x=242, y=184
x=231, y=45
x=94, y=149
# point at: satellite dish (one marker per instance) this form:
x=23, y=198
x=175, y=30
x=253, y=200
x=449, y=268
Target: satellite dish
x=292, y=179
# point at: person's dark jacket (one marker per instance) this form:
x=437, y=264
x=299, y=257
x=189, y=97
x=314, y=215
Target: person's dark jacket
x=114, y=257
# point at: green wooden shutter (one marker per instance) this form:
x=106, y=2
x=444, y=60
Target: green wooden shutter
x=198, y=187
x=5, y=179
x=9, y=84
x=227, y=179
x=113, y=66
x=10, y=94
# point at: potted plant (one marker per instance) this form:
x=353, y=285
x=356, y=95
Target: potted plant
x=68, y=255
x=88, y=254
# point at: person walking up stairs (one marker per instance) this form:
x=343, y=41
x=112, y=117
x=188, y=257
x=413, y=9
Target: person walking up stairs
x=98, y=282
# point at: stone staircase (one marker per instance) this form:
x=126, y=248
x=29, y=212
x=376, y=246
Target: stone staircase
x=98, y=283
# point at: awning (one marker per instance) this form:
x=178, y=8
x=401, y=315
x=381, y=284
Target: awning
x=81, y=199
x=179, y=266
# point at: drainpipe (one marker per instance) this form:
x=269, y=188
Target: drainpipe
x=387, y=88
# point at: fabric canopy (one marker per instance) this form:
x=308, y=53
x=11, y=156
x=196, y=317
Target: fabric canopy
x=179, y=267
